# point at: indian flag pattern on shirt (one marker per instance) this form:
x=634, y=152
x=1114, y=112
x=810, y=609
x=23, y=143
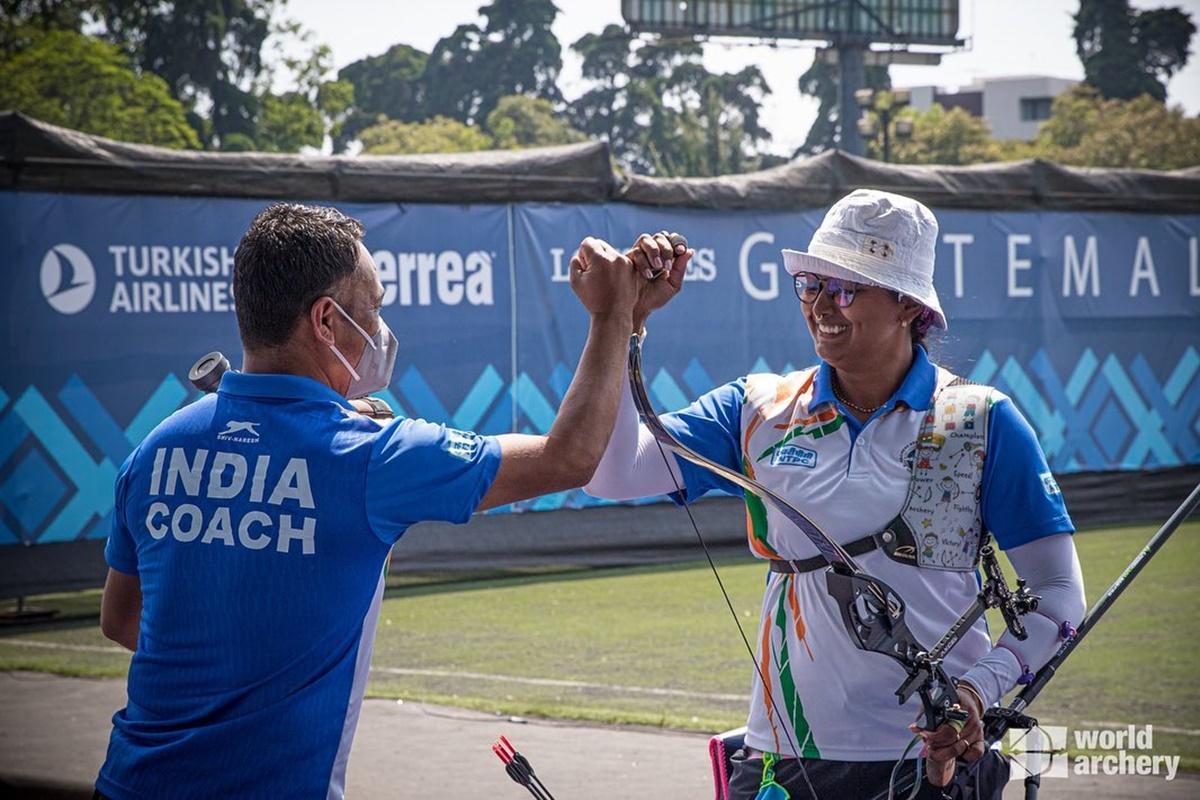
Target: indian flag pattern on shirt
x=775, y=652
x=775, y=660
x=782, y=392
x=826, y=421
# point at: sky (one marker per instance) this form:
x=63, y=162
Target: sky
x=1005, y=38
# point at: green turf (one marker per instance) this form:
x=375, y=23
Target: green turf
x=667, y=628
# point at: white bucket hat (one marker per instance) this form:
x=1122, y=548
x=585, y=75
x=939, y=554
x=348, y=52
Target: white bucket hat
x=878, y=238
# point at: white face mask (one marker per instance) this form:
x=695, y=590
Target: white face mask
x=374, y=371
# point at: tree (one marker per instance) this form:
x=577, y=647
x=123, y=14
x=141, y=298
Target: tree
x=941, y=136
x=515, y=52
x=19, y=19
x=1086, y=130
x=335, y=101
x=285, y=123
x=208, y=51
x=609, y=109
x=302, y=117
x=387, y=85
x=516, y=122
x=521, y=121
x=437, y=135
x=726, y=107
x=215, y=59
x=1128, y=53
x=821, y=81
x=662, y=112
x=1074, y=114
x=69, y=79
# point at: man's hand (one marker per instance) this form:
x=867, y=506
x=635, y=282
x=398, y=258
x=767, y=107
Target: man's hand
x=948, y=743
x=664, y=265
x=603, y=279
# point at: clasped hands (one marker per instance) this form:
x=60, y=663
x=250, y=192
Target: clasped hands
x=637, y=281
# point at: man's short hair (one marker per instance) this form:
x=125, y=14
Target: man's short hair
x=290, y=256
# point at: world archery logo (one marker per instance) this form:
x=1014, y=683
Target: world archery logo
x=1041, y=750
x=68, y=279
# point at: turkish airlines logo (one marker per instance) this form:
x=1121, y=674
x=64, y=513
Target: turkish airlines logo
x=68, y=279
x=236, y=431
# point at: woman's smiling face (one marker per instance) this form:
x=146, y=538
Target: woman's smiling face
x=855, y=336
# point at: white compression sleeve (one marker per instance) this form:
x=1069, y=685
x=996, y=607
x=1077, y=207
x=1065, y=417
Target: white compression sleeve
x=632, y=465
x=1051, y=566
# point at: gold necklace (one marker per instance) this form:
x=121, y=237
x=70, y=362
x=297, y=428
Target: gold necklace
x=845, y=402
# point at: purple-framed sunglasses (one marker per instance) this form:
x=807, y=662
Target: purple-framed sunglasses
x=841, y=292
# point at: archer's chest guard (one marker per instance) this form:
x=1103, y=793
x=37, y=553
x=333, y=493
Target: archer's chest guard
x=940, y=526
x=801, y=451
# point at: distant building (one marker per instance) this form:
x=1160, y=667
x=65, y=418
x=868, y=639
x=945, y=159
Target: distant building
x=1013, y=107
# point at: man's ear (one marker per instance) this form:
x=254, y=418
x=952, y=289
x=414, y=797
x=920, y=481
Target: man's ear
x=320, y=320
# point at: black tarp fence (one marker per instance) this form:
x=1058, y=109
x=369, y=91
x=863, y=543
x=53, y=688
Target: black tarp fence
x=35, y=156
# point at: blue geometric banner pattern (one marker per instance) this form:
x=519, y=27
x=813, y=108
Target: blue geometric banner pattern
x=1104, y=414
x=1099, y=414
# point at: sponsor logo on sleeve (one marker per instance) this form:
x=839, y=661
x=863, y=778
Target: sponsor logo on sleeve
x=462, y=444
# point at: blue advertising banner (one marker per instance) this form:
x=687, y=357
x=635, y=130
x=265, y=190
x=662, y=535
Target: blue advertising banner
x=1089, y=320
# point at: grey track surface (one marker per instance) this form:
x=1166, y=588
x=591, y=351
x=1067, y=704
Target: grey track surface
x=54, y=731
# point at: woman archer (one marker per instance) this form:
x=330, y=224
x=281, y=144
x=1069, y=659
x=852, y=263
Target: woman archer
x=874, y=433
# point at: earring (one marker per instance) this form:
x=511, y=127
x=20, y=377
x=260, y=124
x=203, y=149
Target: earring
x=903, y=323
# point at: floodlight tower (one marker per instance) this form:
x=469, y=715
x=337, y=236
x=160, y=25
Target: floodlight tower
x=846, y=28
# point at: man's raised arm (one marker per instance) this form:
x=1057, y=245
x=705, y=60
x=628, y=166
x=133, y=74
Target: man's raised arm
x=565, y=458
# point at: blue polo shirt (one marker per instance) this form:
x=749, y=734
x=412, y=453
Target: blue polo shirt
x=259, y=520
x=1020, y=500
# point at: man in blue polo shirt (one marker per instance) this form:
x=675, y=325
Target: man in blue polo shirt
x=251, y=528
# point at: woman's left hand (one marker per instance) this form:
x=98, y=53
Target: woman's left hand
x=947, y=744
x=664, y=265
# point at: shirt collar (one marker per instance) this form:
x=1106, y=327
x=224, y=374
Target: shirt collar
x=279, y=387
x=915, y=391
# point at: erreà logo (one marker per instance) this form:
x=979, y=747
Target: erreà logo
x=68, y=279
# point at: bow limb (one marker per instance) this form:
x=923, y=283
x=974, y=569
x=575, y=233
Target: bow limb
x=665, y=442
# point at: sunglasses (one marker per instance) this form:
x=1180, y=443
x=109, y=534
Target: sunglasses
x=841, y=292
